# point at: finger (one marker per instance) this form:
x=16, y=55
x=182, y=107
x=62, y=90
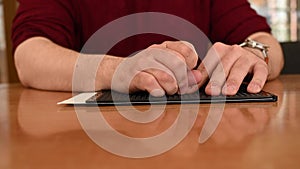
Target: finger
x=204, y=75
x=194, y=77
x=174, y=63
x=186, y=49
x=260, y=75
x=146, y=82
x=223, y=68
x=166, y=80
x=237, y=74
x=211, y=60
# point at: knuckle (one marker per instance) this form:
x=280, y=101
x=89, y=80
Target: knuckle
x=215, y=83
x=148, y=80
x=237, y=49
x=218, y=46
x=185, y=49
x=187, y=44
x=232, y=81
x=167, y=42
x=155, y=46
x=166, y=78
x=258, y=80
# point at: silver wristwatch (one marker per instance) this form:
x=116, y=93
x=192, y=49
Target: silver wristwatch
x=257, y=45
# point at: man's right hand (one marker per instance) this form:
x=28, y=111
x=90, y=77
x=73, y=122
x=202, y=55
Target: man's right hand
x=160, y=69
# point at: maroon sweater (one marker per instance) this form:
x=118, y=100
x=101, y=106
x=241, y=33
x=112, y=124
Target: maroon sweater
x=70, y=23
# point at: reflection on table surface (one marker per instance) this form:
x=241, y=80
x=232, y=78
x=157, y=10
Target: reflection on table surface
x=37, y=133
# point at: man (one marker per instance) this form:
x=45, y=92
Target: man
x=48, y=36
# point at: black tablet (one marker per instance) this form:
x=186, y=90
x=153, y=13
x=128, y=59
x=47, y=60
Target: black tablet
x=110, y=97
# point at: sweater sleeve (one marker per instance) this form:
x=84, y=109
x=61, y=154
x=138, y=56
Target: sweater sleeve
x=233, y=21
x=53, y=19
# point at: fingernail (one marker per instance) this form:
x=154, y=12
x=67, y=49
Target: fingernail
x=254, y=87
x=193, y=89
x=215, y=89
x=157, y=93
x=229, y=89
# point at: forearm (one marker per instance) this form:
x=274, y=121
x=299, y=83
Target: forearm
x=276, y=59
x=41, y=64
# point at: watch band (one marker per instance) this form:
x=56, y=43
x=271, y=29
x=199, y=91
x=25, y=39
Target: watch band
x=257, y=45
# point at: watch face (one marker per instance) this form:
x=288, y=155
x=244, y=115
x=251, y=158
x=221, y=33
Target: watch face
x=254, y=44
x=257, y=45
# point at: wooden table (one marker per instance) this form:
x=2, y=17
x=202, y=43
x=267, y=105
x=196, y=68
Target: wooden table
x=35, y=132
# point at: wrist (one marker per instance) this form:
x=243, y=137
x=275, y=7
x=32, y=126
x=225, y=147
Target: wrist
x=106, y=70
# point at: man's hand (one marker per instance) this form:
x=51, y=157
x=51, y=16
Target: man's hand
x=226, y=67
x=160, y=69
